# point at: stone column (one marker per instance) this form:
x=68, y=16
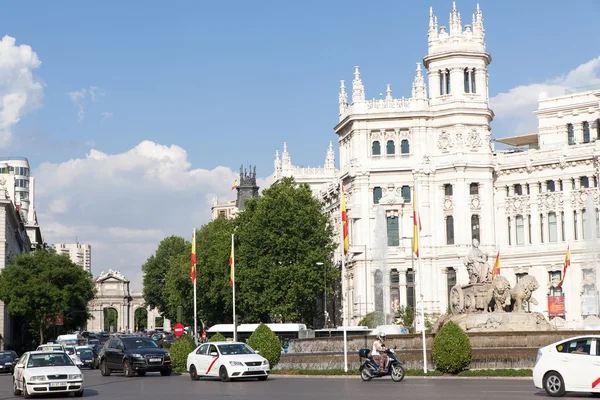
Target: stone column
x=434, y=83
x=457, y=81
x=480, y=81
x=535, y=213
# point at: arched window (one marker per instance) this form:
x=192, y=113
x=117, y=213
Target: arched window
x=404, y=147
x=586, y=132
x=466, y=77
x=377, y=194
x=449, y=229
x=390, y=147
x=571, y=134
x=376, y=148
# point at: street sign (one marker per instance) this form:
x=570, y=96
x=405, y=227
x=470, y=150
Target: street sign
x=178, y=330
x=60, y=320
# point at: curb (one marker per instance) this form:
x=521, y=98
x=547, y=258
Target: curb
x=518, y=378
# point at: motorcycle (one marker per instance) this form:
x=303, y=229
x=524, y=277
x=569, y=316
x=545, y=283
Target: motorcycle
x=369, y=369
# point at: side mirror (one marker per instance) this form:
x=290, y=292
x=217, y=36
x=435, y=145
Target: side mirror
x=214, y=353
x=16, y=359
x=257, y=352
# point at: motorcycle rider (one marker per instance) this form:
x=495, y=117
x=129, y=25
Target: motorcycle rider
x=378, y=352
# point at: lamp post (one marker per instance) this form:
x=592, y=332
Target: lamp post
x=324, y=293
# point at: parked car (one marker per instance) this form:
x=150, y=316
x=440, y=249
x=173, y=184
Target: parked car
x=43, y=372
x=227, y=360
x=87, y=356
x=8, y=359
x=134, y=354
x=571, y=365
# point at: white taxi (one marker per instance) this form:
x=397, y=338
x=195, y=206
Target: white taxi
x=227, y=360
x=44, y=372
x=571, y=365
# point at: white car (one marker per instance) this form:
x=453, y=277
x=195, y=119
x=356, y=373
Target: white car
x=571, y=365
x=71, y=352
x=227, y=360
x=51, y=347
x=44, y=372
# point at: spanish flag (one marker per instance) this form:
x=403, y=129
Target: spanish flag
x=344, y=222
x=416, y=225
x=193, y=257
x=235, y=184
x=496, y=269
x=567, y=263
x=231, y=265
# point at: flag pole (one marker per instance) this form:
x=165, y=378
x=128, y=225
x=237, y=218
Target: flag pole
x=195, y=305
x=233, y=282
x=344, y=297
x=419, y=266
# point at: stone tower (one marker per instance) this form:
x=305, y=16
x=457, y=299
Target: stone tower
x=247, y=187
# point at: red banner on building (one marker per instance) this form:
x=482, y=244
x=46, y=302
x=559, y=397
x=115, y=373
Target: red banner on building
x=556, y=306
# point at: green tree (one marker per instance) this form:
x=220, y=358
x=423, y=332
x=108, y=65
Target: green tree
x=406, y=314
x=267, y=343
x=280, y=238
x=44, y=283
x=179, y=290
x=451, y=350
x=217, y=337
x=110, y=320
x=141, y=318
x=155, y=272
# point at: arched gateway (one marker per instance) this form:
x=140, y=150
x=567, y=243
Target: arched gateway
x=113, y=293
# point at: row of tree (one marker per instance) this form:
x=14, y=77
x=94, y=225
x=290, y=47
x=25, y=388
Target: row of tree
x=283, y=247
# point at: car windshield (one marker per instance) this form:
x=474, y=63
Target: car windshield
x=4, y=355
x=139, y=343
x=85, y=352
x=235, y=348
x=49, y=360
x=70, y=351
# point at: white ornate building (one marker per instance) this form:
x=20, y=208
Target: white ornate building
x=528, y=203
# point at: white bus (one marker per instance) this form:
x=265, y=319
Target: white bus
x=284, y=332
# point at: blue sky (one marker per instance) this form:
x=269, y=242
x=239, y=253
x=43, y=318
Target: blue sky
x=227, y=83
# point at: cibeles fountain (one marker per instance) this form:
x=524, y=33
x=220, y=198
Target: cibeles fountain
x=489, y=304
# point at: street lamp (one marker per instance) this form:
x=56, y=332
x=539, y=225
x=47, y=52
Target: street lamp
x=324, y=293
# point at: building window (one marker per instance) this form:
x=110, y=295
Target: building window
x=586, y=132
x=474, y=188
x=597, y=127
x=404, y=147
x=410, y=288
x=449, y=229
x=393, y=233
x=448, y=82
x=550, y=186
x=584, y=224
x=509, y=231
x=575, y=223
x=520, y=225
x=529, y=228
x=441, y=82
x=585, y=182
x=390, y=147
x=555, y=276
x=377, y=194
x=518, y=189
x=466, y=77
x=562, y=226
x=222, y=213
x=406, y=193
x=447, y=189
x=376, y=148
x=394, y=290
x=473, y=87
x=475, y=227
x=444, y=82
x=571, y=134
x=541, y=228
x=450, y=281
x=552, y=228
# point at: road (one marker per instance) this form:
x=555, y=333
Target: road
x=175, y=387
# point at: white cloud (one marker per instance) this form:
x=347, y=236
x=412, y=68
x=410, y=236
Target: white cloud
x=106, y=115
x=79, y=98
x=514, y=109
x=20, y=91
x=125, y=204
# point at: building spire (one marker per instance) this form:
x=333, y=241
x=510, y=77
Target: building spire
x=419, y=91
x=286, y=161
x=330, y=158
x=277, y=165
x=388, y=91
x=343, y=97
x=358, y=90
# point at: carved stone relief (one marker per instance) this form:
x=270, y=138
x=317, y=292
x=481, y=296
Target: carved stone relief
x=579, y=198
x=550, y=201
x=448, y=205
x=588, y=284
x=518, y=205
x=475, y=203
x=444, y=141
x=474, y=139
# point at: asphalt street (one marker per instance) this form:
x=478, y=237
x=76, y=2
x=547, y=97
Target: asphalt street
x=177, y=387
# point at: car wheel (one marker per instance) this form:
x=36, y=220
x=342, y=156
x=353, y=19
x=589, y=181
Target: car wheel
x=127, y=370
x=78, y=393
x=193, y=373
x=104, y=369
x=26, y=394
x=141, y=373
x=223, y=375
x=16, y=390
x=554, y=384
x=165, y=372
x=263, y=378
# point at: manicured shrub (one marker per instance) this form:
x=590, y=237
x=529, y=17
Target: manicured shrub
x=217, y=337
x=179, y=351
x=267, y=343
x=451, y=349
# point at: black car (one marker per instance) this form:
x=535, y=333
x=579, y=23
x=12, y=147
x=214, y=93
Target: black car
x=8, y=360
x=134, y=354
x=88, y=357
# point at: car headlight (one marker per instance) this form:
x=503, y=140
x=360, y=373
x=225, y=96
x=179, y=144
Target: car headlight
x=265, y=362
x=236, y=364
x=167, y=355
x=138, y=356
x=75, y=376
x=37, y=378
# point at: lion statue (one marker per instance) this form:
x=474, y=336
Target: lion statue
x=501, y=293
x=522, y=292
